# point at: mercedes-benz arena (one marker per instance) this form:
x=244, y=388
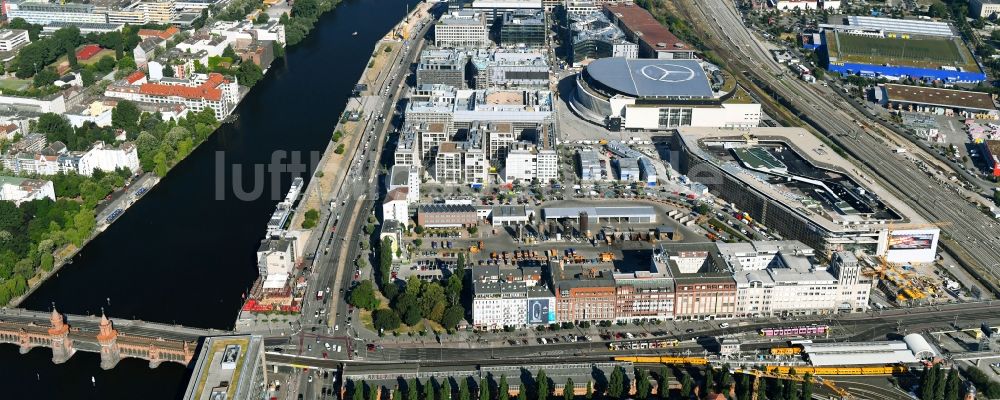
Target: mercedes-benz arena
x=650, y=94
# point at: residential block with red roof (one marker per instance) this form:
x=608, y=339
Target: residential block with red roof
x=200, y=91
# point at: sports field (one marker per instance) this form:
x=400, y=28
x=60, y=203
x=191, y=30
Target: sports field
x=916, y=52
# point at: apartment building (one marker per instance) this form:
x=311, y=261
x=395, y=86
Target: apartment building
x=55, y=159
x=395, y=206
x=644, y=295
x=583, y=294
x=448, y=163
x=510, y=297
x=405, y=176
x=20, y=190
x=407, y=150
x=197, y=93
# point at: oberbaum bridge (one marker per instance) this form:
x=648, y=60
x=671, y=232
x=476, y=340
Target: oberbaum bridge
x=67, y=334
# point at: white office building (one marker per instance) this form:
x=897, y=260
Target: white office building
x=13, y=39
x=395, y=207
x=461, y=29
x=46, y=13
x=783, y=278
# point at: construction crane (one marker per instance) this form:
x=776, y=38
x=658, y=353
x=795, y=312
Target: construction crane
x=898, y=278
x=758, y=375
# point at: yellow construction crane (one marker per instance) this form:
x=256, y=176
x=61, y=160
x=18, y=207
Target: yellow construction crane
x=758, y=374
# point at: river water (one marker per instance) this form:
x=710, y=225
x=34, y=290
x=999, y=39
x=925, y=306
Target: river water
x=183, y=255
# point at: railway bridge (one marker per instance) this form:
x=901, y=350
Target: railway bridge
x=66, y=334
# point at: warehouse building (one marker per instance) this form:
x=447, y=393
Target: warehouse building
x=596, y=215
x=788, y=180
x=641, y=94
x=655, y=40
x=589, y=164
x=964, y=103
x=446, y=215
x=991, y=151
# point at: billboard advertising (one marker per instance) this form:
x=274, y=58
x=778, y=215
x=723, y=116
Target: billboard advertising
x=909, y=246
x=539, y=312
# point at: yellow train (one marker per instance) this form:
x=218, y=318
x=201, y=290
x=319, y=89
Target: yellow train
x=875, y=370
x=663, y=360
x=785, y=351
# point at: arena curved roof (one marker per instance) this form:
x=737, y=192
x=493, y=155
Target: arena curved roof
x=681, y=79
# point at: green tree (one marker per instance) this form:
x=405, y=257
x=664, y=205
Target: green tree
x=642, y=386
x=446, y=389
x=452, y=317
x=743, y=388
x=522, y=394
x=761, y=389
x=806, y=393
x=385, y=319
x=463, y=389
x=708, y=383
x=373, y=392
x=589, y=393
x=542, y=385
x=229, y=53
x=125, y=116
x=568, y=389
x=484, y=389
x=687, y=386
x=363, y=296
x=87, y=77
x=126, y=63
x=725, y=380
x=503, y=389
x=929, y=381
x=71, y=57
x=616, y=383
x=411, y=389
x=248, y=73
x=20, y=23
x=45, y=77
x=953, y=386
x=432, y=302
x=429, y=392
x=359, y=391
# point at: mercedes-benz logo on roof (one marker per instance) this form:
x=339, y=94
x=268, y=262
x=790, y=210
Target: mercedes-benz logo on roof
x=667, y=72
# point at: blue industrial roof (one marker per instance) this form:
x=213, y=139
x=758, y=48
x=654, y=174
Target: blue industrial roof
x=681, y=79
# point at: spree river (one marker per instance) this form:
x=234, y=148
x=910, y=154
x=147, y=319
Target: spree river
x=182, y=255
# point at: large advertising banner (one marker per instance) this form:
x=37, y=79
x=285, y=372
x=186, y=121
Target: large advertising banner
x=909, y=246
x=538, y=311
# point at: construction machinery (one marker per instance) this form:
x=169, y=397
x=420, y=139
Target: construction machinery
x=906, y=286
x=759, y=375
x=607, y=256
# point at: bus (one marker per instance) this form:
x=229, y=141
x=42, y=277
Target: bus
x=811, y=330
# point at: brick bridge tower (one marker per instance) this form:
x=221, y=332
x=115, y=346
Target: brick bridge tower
x=62, y=345
x=108, y=339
